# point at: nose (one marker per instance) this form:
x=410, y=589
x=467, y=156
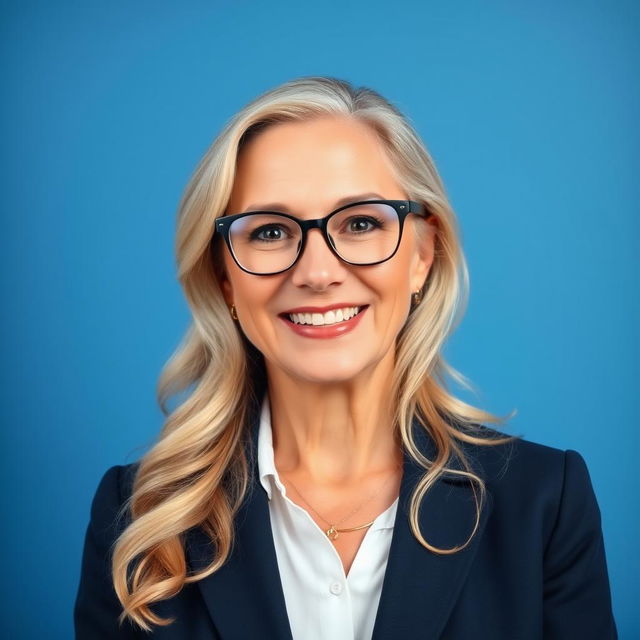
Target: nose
x=318, y=267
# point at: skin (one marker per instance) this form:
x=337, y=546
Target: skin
x=329, y=398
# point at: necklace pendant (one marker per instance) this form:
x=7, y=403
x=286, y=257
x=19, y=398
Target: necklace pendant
x=332, y=533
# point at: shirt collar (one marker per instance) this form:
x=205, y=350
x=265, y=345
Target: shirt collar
x=266, y=462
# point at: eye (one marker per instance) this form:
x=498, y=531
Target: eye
x=269, y=233
x=362, y=224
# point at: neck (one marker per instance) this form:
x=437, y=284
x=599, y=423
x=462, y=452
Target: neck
x=333, y=434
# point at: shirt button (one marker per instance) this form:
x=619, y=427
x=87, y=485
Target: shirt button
x=336, y=588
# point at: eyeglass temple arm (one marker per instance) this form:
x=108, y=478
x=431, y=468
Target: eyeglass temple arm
x=418, y=207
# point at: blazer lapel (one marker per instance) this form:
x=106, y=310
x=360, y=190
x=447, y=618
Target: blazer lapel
x=420, y=587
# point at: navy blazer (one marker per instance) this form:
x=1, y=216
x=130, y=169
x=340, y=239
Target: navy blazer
x=535, y=568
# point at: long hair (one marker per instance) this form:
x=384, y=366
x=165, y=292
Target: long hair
x=197, y=474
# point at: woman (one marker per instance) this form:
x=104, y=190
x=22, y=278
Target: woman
x=319, y=481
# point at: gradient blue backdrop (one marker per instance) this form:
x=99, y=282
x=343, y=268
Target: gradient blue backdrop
x=531, y=113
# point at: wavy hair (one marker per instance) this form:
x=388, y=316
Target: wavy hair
x=197, y=474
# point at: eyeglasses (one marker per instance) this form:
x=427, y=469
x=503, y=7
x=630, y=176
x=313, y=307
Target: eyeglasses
x=265, y=243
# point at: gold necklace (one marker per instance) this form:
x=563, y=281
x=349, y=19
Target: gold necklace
x=332, y=532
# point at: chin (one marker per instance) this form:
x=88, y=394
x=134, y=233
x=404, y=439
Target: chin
x=328, y=369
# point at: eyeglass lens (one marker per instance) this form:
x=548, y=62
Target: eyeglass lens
x=360, y=234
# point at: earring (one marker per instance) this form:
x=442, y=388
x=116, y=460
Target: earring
x=416, y=298
x=232, y=309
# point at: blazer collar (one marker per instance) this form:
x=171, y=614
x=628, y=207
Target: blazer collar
x=245, y=597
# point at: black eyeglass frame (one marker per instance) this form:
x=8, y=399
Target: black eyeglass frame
x=402, y=207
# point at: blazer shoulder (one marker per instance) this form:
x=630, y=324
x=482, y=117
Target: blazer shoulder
x=522, y=461
x=97, y=607
x=108, y=507
x=550, y=480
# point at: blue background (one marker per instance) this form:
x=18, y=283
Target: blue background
x=531, y=113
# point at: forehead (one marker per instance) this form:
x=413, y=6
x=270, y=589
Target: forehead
x=320, y=160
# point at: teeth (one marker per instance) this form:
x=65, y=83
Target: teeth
x=320, y=319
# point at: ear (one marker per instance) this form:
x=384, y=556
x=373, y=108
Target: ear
x=220, y=273
x=423, y=254
x=227, y=289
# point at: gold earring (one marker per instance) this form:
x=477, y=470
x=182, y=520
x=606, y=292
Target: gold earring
x=234, y=315
x=416, y=298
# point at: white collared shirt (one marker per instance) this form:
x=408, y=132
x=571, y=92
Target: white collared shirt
x=322, y=603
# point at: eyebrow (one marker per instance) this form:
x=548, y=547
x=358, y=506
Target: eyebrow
x=278, y=206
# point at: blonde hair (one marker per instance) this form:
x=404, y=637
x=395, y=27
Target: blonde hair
x=197, y=473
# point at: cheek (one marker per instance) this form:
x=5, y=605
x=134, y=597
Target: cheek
x=253, y=297
x=393, y=280
x=392, y=290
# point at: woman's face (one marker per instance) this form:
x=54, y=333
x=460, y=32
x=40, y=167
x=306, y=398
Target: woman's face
x=309, y=167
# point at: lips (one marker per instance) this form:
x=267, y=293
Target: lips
x=332, y=324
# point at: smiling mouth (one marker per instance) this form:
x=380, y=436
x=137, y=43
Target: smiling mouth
x=335, y=316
